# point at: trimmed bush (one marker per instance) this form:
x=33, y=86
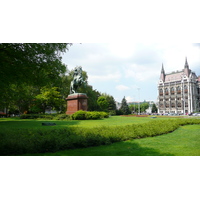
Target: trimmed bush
x=88, y=115
x=45, y=116
x=79, y=115
x=61, y=117
x=93, y=115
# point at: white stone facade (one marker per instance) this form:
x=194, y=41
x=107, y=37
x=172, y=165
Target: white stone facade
x=179, y=92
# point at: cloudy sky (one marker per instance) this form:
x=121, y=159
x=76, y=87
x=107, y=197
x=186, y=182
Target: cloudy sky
x=119, y=69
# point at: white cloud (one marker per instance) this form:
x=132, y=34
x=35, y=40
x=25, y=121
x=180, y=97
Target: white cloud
x=131, y=65
x=129, y=99
x=115, y=76
x=122, y=87
x=142, y=72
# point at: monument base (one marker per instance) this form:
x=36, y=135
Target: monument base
x=75, y=102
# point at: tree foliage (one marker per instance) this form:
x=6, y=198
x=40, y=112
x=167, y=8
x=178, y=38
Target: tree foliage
x=103, y=103
x=48, y=97
x=32, y=63
x=154, y=108
x=135, y=107
x=124, y=107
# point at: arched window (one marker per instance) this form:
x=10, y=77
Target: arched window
x=166, y=91
x=161, y=92
x=185, y=89
x=178, y=89
x=172, y=90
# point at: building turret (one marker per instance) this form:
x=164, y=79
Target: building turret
x=162, y=75
x=186, y=68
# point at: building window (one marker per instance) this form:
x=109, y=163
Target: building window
x=179, y=105
x=185, y=89
x=161, y=92
x=161, y=105
x=178, y=89
x=172, y=90
x=166, y=91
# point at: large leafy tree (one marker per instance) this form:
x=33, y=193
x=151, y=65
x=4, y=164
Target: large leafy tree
x=103, y=103
x=111, y=103
x=29, y=65
x=33, y=63
x=48, y=97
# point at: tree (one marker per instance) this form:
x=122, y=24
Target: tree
x=111, y=103
x=49, y=97
x=143, y=107
x=154, y=108
x=35, y=63
x=124, y=107
x=103, y=103
x=25, y=66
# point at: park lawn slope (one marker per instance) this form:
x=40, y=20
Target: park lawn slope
x=185, y=141
x=21, y=141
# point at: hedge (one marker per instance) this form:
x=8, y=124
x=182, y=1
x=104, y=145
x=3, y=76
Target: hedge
x=45, y=116
x=86, y=115
x=23, y=141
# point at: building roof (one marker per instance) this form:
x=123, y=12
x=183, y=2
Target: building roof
x=174, y=76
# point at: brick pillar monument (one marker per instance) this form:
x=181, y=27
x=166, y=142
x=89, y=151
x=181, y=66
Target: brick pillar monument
x=75, y=102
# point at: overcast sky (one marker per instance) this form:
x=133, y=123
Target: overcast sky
x=119, y=69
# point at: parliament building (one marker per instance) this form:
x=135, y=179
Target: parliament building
x=179, y=91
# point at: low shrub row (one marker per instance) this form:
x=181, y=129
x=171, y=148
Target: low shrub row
x=79, y=115
x=45, y=116
x=86, y=115
x=22, y=141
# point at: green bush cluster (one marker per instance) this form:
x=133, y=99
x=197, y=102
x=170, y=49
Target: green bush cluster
x=86, y=115
x=22, y=141
x=45, y=116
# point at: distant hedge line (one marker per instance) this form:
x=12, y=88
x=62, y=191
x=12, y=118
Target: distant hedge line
x=23, y=141
x=79, y=115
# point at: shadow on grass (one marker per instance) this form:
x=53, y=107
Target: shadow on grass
x=37, y=123
x=127, y=148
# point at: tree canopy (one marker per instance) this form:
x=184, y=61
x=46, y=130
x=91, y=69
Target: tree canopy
x=33, y=63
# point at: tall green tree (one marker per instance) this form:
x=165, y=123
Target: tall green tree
x=154, y=108
x=124, y=107
x=111, y=103
x=103, y=103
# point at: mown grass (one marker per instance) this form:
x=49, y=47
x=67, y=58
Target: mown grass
x=185, y=141
x=18, y=137
x=16, y=123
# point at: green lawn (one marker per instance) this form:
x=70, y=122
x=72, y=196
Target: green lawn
x=13, y=123
x=185, y=141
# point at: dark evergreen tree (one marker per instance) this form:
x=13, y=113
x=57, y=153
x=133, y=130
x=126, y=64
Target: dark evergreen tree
x=154, y=108
x=124, y=107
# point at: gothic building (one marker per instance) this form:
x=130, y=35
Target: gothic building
x=179, y=91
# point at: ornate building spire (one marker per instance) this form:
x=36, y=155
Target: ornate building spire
x=186, y=68
x=162, y=75
x=186, y=64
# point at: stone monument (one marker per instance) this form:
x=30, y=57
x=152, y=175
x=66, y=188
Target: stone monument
x=76, y=101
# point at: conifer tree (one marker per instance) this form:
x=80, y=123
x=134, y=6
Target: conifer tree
x=124, y=107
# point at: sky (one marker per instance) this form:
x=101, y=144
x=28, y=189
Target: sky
x=131, y=69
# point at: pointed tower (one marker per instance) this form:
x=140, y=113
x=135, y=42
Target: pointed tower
x=162, y=75
x=186, y=68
